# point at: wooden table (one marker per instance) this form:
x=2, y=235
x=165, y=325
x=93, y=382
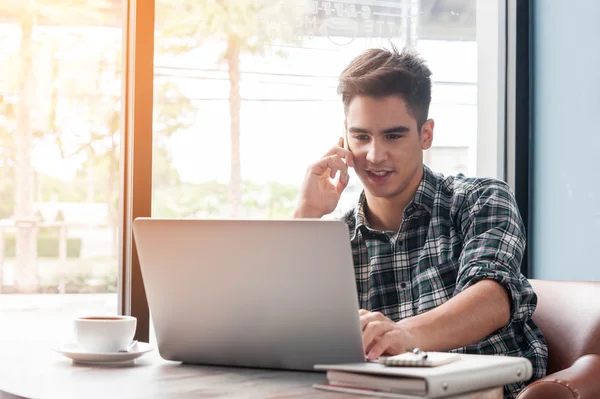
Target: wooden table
x=36, y=371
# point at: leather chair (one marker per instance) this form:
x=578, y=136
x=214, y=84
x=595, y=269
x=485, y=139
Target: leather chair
x=568, y=313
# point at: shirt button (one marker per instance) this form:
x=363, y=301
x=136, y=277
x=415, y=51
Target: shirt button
x=403, y=285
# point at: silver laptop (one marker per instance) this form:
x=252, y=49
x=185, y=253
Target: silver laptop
x=267, y=294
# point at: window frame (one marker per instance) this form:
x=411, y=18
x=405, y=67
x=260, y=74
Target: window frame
x=136, y=155
x=491, y=36
x=519, y=105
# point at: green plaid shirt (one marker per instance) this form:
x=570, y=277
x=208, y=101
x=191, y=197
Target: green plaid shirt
x=455, y=232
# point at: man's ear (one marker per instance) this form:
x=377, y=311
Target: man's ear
x=427, y=134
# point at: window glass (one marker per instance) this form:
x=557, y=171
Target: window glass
x=60, y=120
x=251, y=90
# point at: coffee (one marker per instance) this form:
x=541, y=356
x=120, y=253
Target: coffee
x=101, y=318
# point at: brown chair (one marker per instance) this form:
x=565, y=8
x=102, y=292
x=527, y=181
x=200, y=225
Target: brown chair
x=568, y=313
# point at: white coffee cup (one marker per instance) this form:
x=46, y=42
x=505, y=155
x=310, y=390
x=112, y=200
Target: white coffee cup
x=105, y=333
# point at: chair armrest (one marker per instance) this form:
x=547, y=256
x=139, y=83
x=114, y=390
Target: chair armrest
x=580, y=381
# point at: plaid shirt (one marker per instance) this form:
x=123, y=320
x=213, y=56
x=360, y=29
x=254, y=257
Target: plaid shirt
x=455, y=232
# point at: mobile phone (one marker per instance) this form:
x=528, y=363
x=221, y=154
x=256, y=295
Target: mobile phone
x=345, y=136
x=346, y=146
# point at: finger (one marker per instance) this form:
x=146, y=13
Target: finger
x=380, y=347
x=343, y=153
x=362, y=314
x=337, y=164
x=370, y=346
x=373, y=331
x=342, y=182
x=330, y=165
x=343, y=179
x=387, y=344
x=371, y=317
x=332, y=172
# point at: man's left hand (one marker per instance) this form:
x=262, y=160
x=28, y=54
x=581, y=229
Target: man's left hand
x=382, y=336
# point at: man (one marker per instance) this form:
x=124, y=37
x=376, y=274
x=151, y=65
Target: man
x=437, y=259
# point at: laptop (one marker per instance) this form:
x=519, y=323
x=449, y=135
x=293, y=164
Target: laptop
x=278, y=294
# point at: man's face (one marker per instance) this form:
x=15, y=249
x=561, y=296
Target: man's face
x=387, y=147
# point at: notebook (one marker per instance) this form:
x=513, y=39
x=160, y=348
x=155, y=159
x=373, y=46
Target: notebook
x=467, y=373
x=412, y=359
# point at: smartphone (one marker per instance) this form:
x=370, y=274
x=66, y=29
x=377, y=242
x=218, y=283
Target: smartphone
x=345, y=136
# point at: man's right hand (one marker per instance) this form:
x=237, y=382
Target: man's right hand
x=320, y=193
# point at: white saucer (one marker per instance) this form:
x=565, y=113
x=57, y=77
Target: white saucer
x=75, y=352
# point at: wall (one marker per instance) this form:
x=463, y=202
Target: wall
x=566, y=140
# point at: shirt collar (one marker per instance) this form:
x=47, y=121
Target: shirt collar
x=425, y=194
x=423, y=199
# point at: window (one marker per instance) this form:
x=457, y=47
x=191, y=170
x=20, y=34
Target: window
x=60, y=121
x=245, y=95
x=244, y=99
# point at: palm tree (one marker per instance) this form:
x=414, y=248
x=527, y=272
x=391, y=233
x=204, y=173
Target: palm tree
x=243, y=26
x=28, y=13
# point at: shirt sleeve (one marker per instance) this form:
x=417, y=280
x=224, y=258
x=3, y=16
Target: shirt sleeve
x=493, y=245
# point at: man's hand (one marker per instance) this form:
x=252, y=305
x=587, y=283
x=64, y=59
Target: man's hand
x=320, y=194
x=382, y=336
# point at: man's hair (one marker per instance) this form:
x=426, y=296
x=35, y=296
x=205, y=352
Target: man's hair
x=381, y=72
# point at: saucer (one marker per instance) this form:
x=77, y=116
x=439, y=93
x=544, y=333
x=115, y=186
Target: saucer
x=79, y=355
